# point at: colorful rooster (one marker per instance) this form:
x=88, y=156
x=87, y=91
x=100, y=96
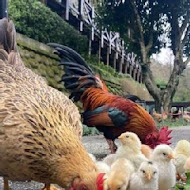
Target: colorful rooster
x=109, y=113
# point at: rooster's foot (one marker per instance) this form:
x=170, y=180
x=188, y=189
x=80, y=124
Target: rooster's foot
x=112, y=146
x=49, y=187
x=6, y=184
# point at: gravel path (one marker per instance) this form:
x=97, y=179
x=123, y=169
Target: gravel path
x=97, y=145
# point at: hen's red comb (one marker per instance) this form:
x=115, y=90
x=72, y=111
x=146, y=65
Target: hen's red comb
x=100, y=181
x=164, y=136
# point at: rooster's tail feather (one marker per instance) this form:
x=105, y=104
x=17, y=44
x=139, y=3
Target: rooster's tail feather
x=78, y=75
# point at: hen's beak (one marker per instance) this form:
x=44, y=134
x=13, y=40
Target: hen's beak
x=148, y=176
x=170, y=156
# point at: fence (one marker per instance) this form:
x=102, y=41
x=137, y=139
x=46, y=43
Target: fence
x=108, y=45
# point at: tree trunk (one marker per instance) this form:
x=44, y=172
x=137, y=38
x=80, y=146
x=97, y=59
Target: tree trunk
x=163, y=98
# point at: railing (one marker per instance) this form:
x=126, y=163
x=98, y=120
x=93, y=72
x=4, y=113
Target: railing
x=109, y=42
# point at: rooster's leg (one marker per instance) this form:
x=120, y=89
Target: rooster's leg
x=111, y=145
x=6, y=184
x=49, y=187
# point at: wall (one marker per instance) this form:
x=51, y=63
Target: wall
x=41, y=60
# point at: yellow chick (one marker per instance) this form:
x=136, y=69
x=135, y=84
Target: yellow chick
x=162, y=156
x=146, y=178
x=109, y=159
x=187, y=165
x=102, y=167
x=92, y=157
x=181, y=153
x=119, y=175
x=146, y=150
x=131, y=149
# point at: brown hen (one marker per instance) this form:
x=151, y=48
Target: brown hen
x=39, y=127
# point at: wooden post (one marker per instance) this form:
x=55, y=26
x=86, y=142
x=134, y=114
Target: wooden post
x=121, y=65
x=3, y=9
x=182, y=111
x=89, y=45
x=138, y=75
x=102, y=40
x=114, y=61
x=99, y=51
x=67, y=10
x=134, y=73
x=107, y=57
x=162, y=110
x=126, y=67
x=92, y=29
x=81, y=4
x=131, y=70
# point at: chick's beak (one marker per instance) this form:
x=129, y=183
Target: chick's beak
x=148, y=176
x=170, y=156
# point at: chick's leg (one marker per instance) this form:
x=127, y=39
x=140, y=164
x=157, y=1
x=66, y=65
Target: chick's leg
x=179, y=177
x=111, y=145
x=6, y=184
x=49, y=187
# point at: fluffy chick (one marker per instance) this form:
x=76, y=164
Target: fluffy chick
x=131, y=149
x=146, y=150
x=119, y=175
x=162, y=156
x=181, y=153
x=109, y=159
x=92, y=157
x=146, y=178
x=102, y=167
x=187, y=165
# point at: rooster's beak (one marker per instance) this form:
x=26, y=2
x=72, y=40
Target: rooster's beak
x=170, y=156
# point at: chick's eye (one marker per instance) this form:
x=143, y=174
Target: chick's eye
x=164, y=153
x=155, y=172
x=127, y=136
x=118, y=188
x=143, y=171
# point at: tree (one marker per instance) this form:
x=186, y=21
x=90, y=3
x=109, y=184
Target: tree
x=147, y=26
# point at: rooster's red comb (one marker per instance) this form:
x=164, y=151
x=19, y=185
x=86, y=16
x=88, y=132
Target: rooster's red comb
x=100, y=181
x=164, y=136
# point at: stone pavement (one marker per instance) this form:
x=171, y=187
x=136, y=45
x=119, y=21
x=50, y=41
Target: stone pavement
x=97, y=145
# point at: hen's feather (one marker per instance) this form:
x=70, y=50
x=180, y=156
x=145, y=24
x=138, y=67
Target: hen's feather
x=40, y=128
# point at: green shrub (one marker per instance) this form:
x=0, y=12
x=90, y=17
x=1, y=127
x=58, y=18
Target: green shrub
x=35, y=20
x=90, y=131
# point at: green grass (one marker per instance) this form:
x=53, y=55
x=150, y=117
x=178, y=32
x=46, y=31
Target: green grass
x=170, y=123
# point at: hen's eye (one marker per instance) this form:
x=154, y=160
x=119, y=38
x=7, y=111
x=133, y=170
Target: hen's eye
x=118, y=188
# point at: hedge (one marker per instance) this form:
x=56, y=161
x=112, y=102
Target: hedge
x=35, y=20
